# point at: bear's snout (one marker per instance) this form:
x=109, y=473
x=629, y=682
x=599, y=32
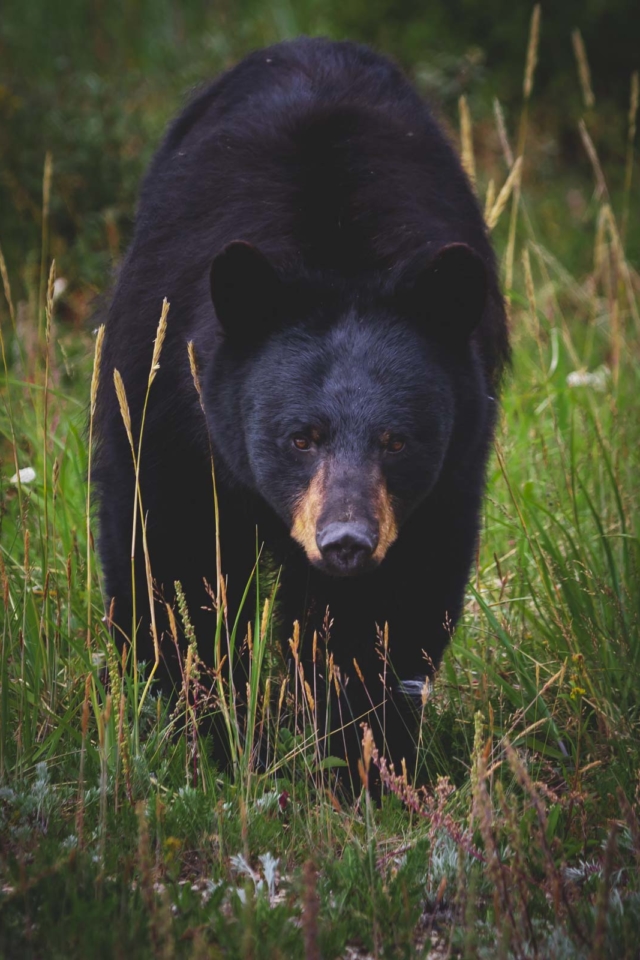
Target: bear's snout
x=345, y=519
x=347, y=548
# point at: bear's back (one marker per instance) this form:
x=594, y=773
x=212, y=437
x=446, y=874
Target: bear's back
x=322, y=155
x=316, y=151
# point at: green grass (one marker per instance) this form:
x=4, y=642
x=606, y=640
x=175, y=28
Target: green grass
x=120, y=838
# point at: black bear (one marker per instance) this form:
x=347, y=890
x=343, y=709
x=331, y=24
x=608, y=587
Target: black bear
x=319, y=243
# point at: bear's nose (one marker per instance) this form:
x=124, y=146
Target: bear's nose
x=347, y=548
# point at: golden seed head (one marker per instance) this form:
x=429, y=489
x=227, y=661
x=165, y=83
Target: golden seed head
x=283, y=689
x=193, y=366
x=367, y=747
x=158, y=342
x=265, y=619
x=95, y=376
x=123, y=403
x=310, y=699
x=358, y=671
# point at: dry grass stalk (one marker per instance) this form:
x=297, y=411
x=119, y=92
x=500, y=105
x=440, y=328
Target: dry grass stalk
x=631, y=136
x=502, y=132
x=532, y=52
x=95, y=376
x=601, y=186
x=512, y=181
x=84, y=727
x=117, y=689
x=621, y=267
x=583, y=69
x=193, y=366
x=359, y=672
x=310, y=700
x=264, y=623
x=7, y=288
x=511, y=242
x=124, y=407
x=46, y=185
x=430, y=806
x=46, y=200
x=49, y=302
x=159, y=340
x=368, y=746
x=601, y=250
x=123, y=741
x=283, y=690
x=529, y=286
x=490, y=198
x=220, y=598
x=466, y=140
x=95, y=380
x=633, y=105
x=294, y=642
x=137, y=506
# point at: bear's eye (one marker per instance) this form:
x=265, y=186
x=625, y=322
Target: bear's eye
x=394, y=445
x=301, y=442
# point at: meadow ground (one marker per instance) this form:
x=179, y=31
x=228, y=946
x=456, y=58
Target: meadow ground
x=120, y=838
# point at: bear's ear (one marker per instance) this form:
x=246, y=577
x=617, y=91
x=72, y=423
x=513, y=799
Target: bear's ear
x=448, y=296
x=247, y=293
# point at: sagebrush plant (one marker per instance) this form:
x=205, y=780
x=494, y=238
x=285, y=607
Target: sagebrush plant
x=519, y=833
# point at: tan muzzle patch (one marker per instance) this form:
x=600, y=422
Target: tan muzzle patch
x=387, y=524
x=310, y=505
x=307, y=512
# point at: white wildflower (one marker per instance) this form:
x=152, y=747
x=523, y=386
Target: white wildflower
x=26, y=475
x=59, y=287
x=269, y=868
x=596, y=379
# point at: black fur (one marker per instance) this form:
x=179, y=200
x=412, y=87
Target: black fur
x=323, y=157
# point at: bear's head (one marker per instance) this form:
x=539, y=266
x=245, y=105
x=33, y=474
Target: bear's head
x=338, y=405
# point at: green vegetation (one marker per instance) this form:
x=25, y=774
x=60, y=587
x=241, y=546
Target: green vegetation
x=118, y=836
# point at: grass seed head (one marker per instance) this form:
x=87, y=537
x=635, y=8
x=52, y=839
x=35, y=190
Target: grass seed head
x=124, y=405
x=583, y=69
x=49, y=302
x=633, y=105
x=532, y=52
x=502, y=132
x=95, y=376
x=466, y=140
x=158, y=342
x=512, y=181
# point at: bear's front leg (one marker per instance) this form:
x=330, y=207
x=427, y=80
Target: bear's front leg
x=386, y=631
